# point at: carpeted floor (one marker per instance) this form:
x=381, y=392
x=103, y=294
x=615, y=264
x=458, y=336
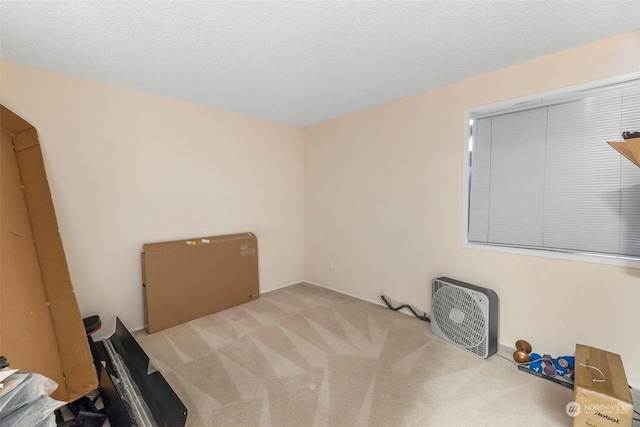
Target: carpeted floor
x=307, y=356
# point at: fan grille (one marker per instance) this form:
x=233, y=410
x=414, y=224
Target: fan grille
x=469, y=330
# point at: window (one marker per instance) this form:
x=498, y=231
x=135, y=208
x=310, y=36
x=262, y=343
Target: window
x=542, y=176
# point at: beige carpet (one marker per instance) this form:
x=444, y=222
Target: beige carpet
x=307, y=356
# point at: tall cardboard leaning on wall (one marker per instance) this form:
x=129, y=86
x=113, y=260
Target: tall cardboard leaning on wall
x=41, y=328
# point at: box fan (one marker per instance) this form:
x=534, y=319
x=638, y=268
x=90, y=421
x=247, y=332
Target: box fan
x=465, y=315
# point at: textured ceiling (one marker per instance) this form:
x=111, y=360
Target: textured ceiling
x=297, y=62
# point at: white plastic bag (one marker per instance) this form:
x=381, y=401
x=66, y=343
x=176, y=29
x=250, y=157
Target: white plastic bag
x=28, y=403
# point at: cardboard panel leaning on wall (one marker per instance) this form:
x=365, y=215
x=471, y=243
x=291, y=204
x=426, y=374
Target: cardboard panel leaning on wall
x=41, y=328
x=23, y=301
x=187, y=279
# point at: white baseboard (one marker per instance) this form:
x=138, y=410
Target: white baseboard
x=345, y=293
x=282, y=286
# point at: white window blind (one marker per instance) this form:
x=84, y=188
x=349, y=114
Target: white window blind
x=544, y=177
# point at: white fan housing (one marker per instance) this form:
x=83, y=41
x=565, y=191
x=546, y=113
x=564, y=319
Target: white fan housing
x=465, y=315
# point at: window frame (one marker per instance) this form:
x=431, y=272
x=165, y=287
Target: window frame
x=523, y=103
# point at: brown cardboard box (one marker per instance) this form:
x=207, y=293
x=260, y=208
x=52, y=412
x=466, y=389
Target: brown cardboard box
x=601, y=389
x=41, y=329
x=187, y=279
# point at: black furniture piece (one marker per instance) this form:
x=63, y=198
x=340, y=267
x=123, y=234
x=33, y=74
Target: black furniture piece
x=85, y=414
x=133, y=391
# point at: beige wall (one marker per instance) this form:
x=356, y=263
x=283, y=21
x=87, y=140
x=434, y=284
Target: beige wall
x=126, y=168
x=384, y=204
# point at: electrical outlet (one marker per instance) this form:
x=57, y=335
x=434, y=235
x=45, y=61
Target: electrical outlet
x=330, y=265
